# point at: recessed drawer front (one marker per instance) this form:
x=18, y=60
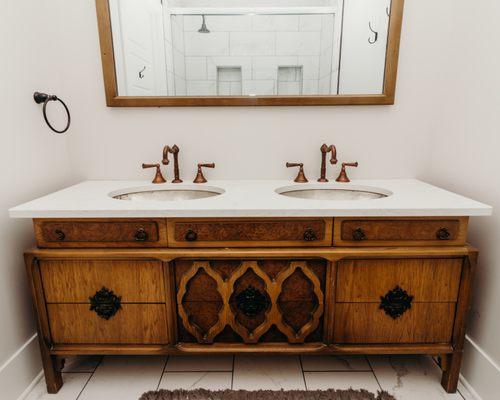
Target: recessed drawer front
x=101, y=233
x=75, y=281
x=427, y=280
x=132, y=324
x=402, y=231
x=250, y=233
x=366, y=323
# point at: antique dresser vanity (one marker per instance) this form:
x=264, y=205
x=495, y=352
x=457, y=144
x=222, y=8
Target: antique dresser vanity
x=263, y=274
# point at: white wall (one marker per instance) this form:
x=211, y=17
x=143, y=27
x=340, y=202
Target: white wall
x=33, y=162
x=465, y=158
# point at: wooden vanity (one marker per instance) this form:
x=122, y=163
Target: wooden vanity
x=378, y=285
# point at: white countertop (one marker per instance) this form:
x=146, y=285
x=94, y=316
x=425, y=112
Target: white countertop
x=91, y=199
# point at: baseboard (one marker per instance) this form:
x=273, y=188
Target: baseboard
x=480, y=373
x=31, y=386
x=19, y=371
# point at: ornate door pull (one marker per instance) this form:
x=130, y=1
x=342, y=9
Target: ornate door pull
x=396, y=302
x=251, y=302
x=443, y=234
x=191, y=236
x=141, y=235
x=60, y=235
x=359, y=235
x=310, y=235
x=105, y=303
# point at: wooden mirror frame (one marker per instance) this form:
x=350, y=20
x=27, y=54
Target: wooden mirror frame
x=114, y=100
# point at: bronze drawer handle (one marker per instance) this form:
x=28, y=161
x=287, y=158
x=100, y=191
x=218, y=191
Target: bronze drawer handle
x=359, y=235
x=105, y=303
x=141, y=235
x=191, y=236
x=60, y=235
x=396, y=302
x=310, y=235
x=443, y=234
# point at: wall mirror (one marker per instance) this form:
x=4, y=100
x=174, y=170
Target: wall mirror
x=249, y=52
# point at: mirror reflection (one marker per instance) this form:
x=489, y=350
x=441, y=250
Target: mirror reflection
x=249, y=47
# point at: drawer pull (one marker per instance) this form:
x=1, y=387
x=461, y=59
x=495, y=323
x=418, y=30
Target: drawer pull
x=60, y=235
x=191, y=236
x=251, y=302
x=105, y=303
x=359, y=235
x=396, y=302
x=141, y=235
x=443, y=234
x=310, y=235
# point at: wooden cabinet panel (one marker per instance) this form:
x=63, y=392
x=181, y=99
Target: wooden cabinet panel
x=427, y=280
x=400, y=231
x=101, y=233
x=366, y=323
x=133, y=324
x=298, y=232
x=74, y=281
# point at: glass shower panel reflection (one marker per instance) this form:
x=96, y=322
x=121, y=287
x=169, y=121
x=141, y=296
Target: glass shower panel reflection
x=273, y=54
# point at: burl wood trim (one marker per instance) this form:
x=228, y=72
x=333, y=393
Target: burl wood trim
x=100, y=232
x=412, y=231
x=273, y=315
x=114, y=100
x=250, y=232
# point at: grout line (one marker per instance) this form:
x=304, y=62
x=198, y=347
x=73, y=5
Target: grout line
x=303, y=373
x=232, y=374
x=84, y=386
x=373, y=372
x=162, y=373
x=197, y=371
x=339, y=371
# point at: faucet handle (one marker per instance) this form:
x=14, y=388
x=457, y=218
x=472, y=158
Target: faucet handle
x=301, y=177
x=200, y=178
x=158, y=177
x=343, y=175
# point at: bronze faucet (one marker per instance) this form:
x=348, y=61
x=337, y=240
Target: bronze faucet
x=301, y=177
x=158, y=177
x=333, y=160
x=175, y=151
x=200, y=178
x=343, y=176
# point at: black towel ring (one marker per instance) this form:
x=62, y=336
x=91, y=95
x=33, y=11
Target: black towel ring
x=45, y=99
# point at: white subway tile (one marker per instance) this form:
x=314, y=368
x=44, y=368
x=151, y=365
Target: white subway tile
x=180, y=86
x=310, y=66
x=267, y=67
x=252, y=43
x=218, y=23
x=325, y=62
x=275, y=23
x=226, y=61
x=324, y=85
x=179, y=64
x=264, y=87
x=298, y=43
x=177, y=35
x=289, y=88
x=196, y=68
x=201, y=88
x=310, y=86
x=203, y=44
x=311, y=23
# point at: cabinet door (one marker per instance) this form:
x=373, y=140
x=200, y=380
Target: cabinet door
x=362, y=64
x=251, y=301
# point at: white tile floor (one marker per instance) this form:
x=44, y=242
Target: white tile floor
x=126, y=378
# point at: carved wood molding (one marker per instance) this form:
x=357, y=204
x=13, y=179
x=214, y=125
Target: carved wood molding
x=273, y=314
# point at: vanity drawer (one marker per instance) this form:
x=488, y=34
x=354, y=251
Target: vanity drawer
x=400, y=231
x=299, y=232
x=366, y=323
x=101, y=233
x=75, y=281
x=132, y=324
x=427, y=280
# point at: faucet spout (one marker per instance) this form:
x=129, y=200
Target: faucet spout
x=333, y=160
x=174, y=150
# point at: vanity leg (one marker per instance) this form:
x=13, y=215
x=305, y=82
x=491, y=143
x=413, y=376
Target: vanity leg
x=451, y=371
x=52, y=365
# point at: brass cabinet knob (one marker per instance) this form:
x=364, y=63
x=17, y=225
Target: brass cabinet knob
x=359, y=235
x=141, y=235
x=443, y=234
x=60, y=235
x=191, y=236
x=310, y=235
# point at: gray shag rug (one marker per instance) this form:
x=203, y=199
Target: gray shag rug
x=202, y=394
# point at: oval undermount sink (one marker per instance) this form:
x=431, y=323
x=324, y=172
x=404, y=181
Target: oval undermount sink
x=161, y=194
x=333, y=192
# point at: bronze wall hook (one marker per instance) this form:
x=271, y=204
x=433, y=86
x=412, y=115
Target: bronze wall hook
x=158, y=177
x=200, y=178
x=301, y=177
x=343, y=175
x=175, y=152
x=333, y=160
